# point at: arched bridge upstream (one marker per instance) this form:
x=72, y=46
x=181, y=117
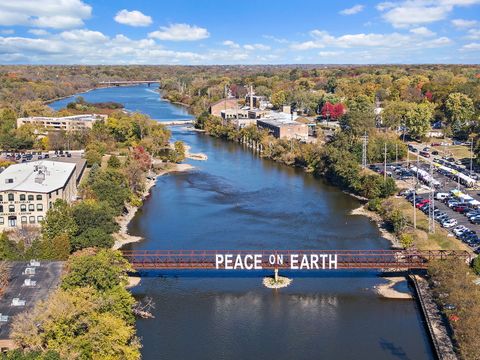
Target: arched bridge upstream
x=387, y=260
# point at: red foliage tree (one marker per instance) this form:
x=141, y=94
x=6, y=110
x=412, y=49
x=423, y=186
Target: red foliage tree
x=333, y=111
x=142, y=157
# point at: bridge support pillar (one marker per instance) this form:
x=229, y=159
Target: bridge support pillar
x=275, y=272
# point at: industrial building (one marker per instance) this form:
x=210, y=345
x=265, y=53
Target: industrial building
x=29, y=189
x=283, y=126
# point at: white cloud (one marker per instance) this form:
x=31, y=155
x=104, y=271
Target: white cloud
x=353, y=10
x=462, y=23
x=422, y=31
x=180, y=32
x=88, y=36
x=38, y=32
x=231, y=44
x=329, y=53
x=471, y=47
x=46, y=13
x=132, y=18
x=410, y=12
x=252, y=47
x=7, y=31
x=473, y=34
x=322, y=39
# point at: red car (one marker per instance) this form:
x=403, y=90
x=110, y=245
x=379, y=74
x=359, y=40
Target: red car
x=421, y=203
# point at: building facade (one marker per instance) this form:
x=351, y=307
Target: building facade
x=28, y=190
x=67, y=123
x=224, y=104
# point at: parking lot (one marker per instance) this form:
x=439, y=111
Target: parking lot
x=452, y=182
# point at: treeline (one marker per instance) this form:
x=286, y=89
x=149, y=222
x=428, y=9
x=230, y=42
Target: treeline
x=338, y=160
x=89, y=317
x=454, y=284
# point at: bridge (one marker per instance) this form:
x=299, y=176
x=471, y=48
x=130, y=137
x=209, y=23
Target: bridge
x=127, y=82
x=288, y=259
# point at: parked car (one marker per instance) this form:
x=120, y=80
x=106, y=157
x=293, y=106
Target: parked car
x=425, y=154
x=449, y=223
x=441, y=196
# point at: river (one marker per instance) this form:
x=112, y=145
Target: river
x=236, y=200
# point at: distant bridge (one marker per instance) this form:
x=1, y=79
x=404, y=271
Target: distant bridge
x=127, y=82
x=288, y=259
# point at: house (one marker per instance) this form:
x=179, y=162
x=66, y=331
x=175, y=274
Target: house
x=28, y=190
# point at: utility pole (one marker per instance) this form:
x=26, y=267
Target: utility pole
x=364, y=150
x=431, y=196
x=396, y=154
x=385, y=162
x=471, y=155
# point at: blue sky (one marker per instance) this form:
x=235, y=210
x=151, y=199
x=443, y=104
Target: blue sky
x=239, y=32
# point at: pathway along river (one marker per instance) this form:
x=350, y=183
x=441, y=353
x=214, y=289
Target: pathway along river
x=236, y=200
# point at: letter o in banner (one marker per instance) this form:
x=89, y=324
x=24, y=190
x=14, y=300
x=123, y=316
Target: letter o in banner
x=272, y=259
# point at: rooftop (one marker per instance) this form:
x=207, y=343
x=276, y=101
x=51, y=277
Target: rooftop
x=82, y=117
x=41, y=176
x=40, y=283
x=279, y=119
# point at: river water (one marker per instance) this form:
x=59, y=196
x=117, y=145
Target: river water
x=236, y=200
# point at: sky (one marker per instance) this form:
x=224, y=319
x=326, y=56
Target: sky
x=191, y=32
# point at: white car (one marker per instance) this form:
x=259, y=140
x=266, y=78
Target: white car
x=459, y=229
x=449, y=223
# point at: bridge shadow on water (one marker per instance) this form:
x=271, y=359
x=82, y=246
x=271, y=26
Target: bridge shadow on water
x=368, y=273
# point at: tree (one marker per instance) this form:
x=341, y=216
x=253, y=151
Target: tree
x=93, y=157
x=459, y=110
x=110, y=186
x=113, y=162
x=418, y=118
x=279, y=98
x=177, y=154
x=406, y=240
x=59, y=221
x=476, y=265
x=104, y=270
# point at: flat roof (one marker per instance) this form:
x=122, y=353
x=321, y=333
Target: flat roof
x=82, y=117
x=41, y=176
x=47, y=277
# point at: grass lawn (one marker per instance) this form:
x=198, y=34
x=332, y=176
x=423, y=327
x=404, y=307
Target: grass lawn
x=456, y=151
x=425, y=241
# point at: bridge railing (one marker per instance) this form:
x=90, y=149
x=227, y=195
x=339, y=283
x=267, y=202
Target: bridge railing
x=344, y=259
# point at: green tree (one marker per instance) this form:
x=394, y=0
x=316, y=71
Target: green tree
x=93, y=157
x=177, y=154
x=476, y=265
x=114, y=162
x=418, y=119
x=104, y=270
x=279, y=98
x=59, y=221
x=406, y=240
x=459, y=110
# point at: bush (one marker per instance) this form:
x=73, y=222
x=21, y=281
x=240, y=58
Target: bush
x=476, y=265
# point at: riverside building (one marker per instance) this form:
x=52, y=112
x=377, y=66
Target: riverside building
x=28, y=190
x=67, y=123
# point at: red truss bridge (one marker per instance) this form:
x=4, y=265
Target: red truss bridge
x=288, y=259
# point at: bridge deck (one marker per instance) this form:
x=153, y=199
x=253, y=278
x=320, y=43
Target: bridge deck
x=291, y=259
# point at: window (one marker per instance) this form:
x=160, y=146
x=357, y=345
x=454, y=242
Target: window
x=40, y=207
x=23, y=207
x=1, y=197
x=11, y=208
x=24, y=220
x=22, y=197
x=1, y=208
x=32, y=219
x=12, y=221
x=31, y=207
x=57, y=192
x=39, y=218
x=2, y=221
x=39, y=197
x=49, y=195
x=30, y=197
x=10, y=197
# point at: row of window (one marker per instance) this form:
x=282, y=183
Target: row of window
x=23, y=220
x=23, y=197
x=23, y=208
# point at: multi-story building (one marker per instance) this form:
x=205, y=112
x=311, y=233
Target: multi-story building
x=67, y=123
x=283, y=126
x=28, y=190
x=222, y=105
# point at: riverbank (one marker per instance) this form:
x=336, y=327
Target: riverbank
x=122, y=237
x=387, y=290
x=380, y=222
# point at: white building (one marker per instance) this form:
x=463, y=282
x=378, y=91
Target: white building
x=28, y=190
x=67, y=123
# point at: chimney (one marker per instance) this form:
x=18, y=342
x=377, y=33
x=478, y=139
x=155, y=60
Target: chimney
x=251, y=97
